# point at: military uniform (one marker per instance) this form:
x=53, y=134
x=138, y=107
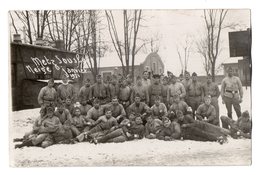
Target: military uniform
x=142, y=91
x=78, y=125
x=231, y=93
x=207, y=113
x=100, y=91
x=137, y=109
x=84, y=95
x=153, y=128
x=124, y=96
x=212, y=90
x=181, y=106
x=172, y=132
x=165, y=88
x=93, y=114
x=66, y=92
x=194, y=95
x=175, y=89
x=159, y=111
x=113, y=90
x=63, y=116
x=155, y=90
x=47, y=96
x=117, y=110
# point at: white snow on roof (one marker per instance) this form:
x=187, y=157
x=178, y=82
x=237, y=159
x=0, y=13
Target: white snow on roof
x=232, y=60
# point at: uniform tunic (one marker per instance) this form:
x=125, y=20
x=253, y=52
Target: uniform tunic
x=195, y=95
x=63, y=116
x=116, y=110
x=231, y=92
x=159, y=111
x=175, y=89
x=100, y=91
x=181, y=106
x=173, y=131
x=138, y=109
x=113, y=90
x=155, y=90
x=212, y=90
x=66, y=91
x=208, y=112
x=153, y=127
x=47, y=95
x=124, y=94
x=93, y=114
x=84, y=94
x=142, y=91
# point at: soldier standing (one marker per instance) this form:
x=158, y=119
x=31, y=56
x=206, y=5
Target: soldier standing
x=48, y=95
x=212, y=89
x=186, y=82
x=124, y=94
x=165, y=87
x=175, y=88
x=146, y=81
x=155, y=89
x=113, y=87
x=100, y=91
x=195, y=93
x=232, y=93
x=141, y=90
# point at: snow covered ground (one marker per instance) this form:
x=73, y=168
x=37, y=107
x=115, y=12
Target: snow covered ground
x=141, y=152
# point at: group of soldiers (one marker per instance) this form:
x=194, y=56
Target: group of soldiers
x=158, y=107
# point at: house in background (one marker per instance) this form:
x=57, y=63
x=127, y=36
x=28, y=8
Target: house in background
x=110, y=64
x=240, y=67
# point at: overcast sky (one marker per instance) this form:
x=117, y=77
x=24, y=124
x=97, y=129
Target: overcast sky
x=172, y=27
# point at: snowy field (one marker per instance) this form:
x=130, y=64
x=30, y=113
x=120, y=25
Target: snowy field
x=133, y=153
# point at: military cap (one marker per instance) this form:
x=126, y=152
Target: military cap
x=187, y=73
x=194, y=74
x=156, y=76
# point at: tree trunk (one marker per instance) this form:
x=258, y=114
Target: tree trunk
x=213, y=71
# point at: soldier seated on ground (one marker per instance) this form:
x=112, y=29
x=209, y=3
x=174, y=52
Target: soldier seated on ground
x=138, y=108
x=126, y=131
x=62, y=113
x=78, y=122
x=206, y=112
x=42, y=130
x=178, y=105
x=158, y=109
x=200, y=131
x=102, y=125
x=170, y=130
x=240, y=128
x=152, y=127
x=117, y=109
x=69, y=105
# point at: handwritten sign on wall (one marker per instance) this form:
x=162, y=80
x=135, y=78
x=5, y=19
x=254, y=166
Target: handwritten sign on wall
x=71, y=67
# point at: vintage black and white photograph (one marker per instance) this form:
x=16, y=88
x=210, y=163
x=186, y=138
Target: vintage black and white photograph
x=130, y=87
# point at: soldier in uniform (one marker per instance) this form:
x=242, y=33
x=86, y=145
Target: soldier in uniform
x=146, y=82
x=113, y=87
x=84, y=93
x=206, y=112
x=176, y=106
x=152, y=127
x=78, y=122
x=48, y=95
x=100, y=91
x=186, y=82
x=195, y=93
x=66, y=91
x=200, y=131
x=165, y=87
x=141, y=90
x=63, y=114
x=158, y=109
x=232, y=93
x=124, y=95
x=170, y=130
x=175, y=88
x=117, y=109
x=155, y=89
x=240, y=128
x=95, y=112
x=138, y=108
x=211, y=88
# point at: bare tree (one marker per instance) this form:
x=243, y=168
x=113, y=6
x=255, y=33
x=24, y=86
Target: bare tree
x=184, y=53
x=214, y=22
x=129, y=46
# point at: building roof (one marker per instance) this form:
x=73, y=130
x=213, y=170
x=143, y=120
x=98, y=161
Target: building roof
x=112, y=60
x=232, y=60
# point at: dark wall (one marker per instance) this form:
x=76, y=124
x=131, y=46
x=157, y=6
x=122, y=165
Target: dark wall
x=25, y=72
